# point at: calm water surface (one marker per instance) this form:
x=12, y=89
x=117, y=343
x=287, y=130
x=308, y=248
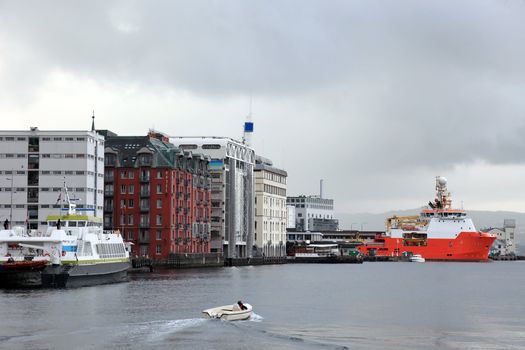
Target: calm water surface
x=368, y=306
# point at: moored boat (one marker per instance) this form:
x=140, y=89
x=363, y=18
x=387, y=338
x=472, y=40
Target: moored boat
x=438, y=233
x=417, y=258
x=25, y=273
x=74, y=252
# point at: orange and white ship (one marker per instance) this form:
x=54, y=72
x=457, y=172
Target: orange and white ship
x=438, y=233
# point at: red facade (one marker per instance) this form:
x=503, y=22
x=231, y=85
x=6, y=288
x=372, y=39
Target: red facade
x=160, y=208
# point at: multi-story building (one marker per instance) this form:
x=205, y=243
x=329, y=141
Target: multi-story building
x=270, y=209
x=231, y=168
x=36, y=164
x=504, y=243
x=290, y=222
x=157, y=195
x=313, y=213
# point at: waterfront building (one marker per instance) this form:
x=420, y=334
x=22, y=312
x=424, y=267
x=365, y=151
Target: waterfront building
x=290, y=222
x=504, y=243
x=303, y=237
x=36, y=164
x=157, y=195
x=270, y=209
x=232, y=189
x=313, y=213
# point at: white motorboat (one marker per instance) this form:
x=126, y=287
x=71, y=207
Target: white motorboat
x=229, y=312
x=417, y=258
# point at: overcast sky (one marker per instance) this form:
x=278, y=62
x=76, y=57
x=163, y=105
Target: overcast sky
x=375, y=97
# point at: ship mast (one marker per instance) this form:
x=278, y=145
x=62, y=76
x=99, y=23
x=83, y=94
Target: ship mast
x=70, y=205
x=443, y=199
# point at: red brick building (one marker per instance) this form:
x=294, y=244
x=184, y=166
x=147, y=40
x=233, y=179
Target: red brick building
x=157, y=195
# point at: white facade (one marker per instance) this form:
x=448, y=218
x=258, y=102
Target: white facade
x=309, y=208
x=291, y=217
x=231, y=168
x=270, y=210
x=504, y=243
x=35, y=164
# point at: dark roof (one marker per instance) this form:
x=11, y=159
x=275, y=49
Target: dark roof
x=259, y=167
x=163, y=154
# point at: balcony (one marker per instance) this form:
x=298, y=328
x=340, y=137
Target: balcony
x=144, y=208
x=143, y=239
x=144, y=224
x=144, y=193
x=144, y=178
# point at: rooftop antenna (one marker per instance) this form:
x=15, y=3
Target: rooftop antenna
x=93, y=121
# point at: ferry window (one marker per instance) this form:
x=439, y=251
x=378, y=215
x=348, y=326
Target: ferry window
x=72, y=224
x=81, y=224
x=51, y=223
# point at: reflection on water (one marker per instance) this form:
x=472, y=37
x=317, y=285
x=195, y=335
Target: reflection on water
x=369, y=306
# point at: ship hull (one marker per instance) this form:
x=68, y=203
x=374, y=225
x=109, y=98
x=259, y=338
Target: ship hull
x=73, y=276
x=24, y=274
x=467, y=246
x=20, y=279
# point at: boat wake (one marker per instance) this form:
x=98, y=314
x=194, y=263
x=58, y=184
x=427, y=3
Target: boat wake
x=255, y=318
x=163, y=328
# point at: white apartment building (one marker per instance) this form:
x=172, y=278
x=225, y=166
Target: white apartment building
x=270, y=209
x=313, y=213
x=291, y=217
x=35, y=164
x=504, y=243
x=231, y=168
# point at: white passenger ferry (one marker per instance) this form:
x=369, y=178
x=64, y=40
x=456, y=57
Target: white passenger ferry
x=76, y=250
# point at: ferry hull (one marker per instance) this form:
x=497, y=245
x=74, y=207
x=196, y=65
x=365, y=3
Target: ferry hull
x=72, y=276
x=467, y=246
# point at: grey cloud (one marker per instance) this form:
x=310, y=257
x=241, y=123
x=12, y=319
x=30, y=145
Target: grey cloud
x=360, y=87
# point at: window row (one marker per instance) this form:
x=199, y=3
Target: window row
x=275, y=190
x=274, y=177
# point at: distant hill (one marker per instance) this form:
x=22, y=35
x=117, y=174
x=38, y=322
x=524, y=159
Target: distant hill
x=482, y=220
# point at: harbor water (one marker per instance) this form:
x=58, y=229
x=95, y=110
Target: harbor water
x=433, y=305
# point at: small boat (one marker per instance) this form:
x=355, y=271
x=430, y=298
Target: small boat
x=229, y=312
x=417, y=258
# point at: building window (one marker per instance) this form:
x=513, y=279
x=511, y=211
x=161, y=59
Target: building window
x=130, y=203
x=159, y=189
x=131, y=188
x=159, y=174
x=159, y=203
x=122, y=189
x=130, y=235
x=130, y=219
x=159, y=235
x=159, y=219
x=158, y=250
